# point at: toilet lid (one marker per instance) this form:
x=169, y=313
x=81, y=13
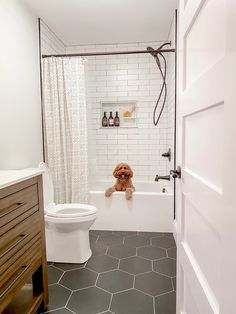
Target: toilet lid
x=71, y=210
x=48, y=192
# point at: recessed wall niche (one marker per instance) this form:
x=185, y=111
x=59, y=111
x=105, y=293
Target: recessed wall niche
x=127, y=112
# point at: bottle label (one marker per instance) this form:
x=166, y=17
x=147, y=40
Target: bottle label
x=104, y=122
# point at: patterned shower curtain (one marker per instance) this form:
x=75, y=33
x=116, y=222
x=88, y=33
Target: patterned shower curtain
x=65, y=127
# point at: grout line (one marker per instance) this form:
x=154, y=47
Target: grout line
x=84, y=288
x=173, y=283
x=168, y=292
x=123, y=291
x=155, y=271
x=69, y=298
x=110, y=302
x=59, y=284
x=145, y=292
x=51, y=311
x=96, y=280
x=61, y=277
x=153, y=302
x=71, y=310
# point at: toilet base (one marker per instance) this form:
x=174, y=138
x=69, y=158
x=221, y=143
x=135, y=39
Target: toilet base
x=67, y=244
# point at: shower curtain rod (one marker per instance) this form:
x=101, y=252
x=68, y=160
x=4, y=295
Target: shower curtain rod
x=88, y=54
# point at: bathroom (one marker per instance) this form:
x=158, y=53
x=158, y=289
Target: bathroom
x=158, y=67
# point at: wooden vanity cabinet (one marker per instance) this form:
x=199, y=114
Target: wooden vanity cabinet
x=23, y=266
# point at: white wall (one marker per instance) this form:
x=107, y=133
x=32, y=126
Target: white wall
x=123, y=78
x=20, y=116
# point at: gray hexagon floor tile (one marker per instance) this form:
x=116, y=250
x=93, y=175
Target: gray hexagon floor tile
x=163, y=242
x=68, y=266
x=125, y=233
x=61, y=311
x=121, y=251
x=136, y=241
x=166, y=266
x=172, y=252
x=93, y=238
x=151, y=252
x=102, y=263
x=115, y=281
x=150, y=234
x=100, y=232
x=98, y=249
x=110, y=239
x=54, y=274
x=89, y=301
x=166, y=303
x=153, y=283
x=58, y=297
x=132, y=302
x=168, y=234
x=174, y=283
x=79, y=278
x=135, y=265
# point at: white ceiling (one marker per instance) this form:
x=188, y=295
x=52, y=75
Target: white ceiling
x=78, y=22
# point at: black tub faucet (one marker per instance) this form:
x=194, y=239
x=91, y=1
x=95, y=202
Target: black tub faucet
x=157, y=178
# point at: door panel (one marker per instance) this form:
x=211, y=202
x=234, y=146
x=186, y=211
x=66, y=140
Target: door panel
x=202, y=128
x=206, y=211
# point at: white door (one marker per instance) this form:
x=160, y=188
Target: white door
x=206, y=132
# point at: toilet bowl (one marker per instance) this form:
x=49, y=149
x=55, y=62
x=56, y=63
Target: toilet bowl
x=66, y=225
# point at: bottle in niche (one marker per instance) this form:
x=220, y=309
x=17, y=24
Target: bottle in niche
x=111, y=120
x=104, y=120
x=117, y=120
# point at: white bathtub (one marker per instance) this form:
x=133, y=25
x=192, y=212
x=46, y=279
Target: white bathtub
x=149, y=210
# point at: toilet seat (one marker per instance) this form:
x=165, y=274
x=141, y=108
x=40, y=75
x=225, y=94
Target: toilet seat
x=70, y=210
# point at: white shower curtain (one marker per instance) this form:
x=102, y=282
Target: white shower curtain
x=65, y=127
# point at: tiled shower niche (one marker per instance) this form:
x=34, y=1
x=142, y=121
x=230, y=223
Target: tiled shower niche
x=127, y=112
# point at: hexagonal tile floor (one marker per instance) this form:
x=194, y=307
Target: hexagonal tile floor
x=129, y=273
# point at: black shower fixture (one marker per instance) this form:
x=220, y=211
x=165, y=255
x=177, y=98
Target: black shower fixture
x=156, y=55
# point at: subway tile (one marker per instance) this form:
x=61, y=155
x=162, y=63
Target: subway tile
x=124, y=78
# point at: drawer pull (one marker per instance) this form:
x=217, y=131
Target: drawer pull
x=11, y=284
x=11, y=208
x=19, y=239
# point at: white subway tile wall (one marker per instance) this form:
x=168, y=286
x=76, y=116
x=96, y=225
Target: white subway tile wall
x=123, y=78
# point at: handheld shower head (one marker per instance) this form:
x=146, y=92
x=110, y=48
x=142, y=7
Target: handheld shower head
x=152, y=52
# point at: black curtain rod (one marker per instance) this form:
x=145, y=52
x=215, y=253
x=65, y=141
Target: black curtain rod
x=88, y=54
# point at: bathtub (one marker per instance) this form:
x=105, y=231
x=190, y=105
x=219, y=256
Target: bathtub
x=149, y=210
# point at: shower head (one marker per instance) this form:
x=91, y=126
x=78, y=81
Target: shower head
x=152, y=52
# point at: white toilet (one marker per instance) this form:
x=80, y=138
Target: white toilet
x=67, y=226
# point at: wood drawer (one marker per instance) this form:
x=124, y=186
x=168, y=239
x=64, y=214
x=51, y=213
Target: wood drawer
x=23, y=232
x=20, y=273
x=16, y=204
x=20, y=242
x=25, y=257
